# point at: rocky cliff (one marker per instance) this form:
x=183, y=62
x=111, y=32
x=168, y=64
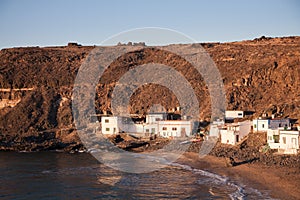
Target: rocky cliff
x=261, y=75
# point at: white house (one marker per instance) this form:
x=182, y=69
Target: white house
x=117, y=124
x=155, y=117
x=273, y=138
x=235, y=132
x=280, y=123
x=261, y=125
x=286, y=141
x=234, y=114
x=214, y=127
x=265, y=124
x=109, y=125
x=156, y=123
x=175, y=128
x=149, y=129
x=229, y=134
x=289, y=141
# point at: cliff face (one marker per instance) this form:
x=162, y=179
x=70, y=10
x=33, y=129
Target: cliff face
x=261, y=75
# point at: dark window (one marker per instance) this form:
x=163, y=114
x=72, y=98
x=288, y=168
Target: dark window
x=107, y=129
x=174, y=129
x=107, y=120
x=164, y=128
x=276, y=138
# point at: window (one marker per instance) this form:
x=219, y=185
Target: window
x=152, y=130
x=174, y=129
x=107, y=129
x=147, y=130
x=164, y=128
x=276, y=138
x=107, y=121
x=157, y=119
x=240, y=114
x=284, y=140
x=263, y=125
x=254, y=125
x=270, y=138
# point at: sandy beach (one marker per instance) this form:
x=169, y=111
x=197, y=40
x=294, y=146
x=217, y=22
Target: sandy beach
x=280, y=182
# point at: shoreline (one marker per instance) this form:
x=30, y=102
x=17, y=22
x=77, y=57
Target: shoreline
x=279, y=182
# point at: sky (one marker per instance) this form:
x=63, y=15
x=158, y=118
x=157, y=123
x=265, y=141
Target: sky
x=89, y=22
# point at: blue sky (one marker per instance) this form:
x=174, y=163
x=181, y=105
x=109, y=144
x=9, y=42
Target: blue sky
x=56, y=22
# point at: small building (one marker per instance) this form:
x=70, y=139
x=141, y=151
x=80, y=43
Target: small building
x=273, y=138
x=148, y=129
x=214, y=127
x=156, y=123
x=280, y=123
x=155, y=117
x=285, y=141
x=109, y=125
x=265, y=124
x=234, y=132
x=234, y=114
x=229, y=134
x=175, y=128
x=261, y=125
x=117, y=124
x=289, y=141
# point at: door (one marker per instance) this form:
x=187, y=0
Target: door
x=237, y=138
x=294, y=143
x=152, y=130
x=183, y=132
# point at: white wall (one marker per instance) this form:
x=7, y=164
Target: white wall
x=244, y=128
x=228, y=137
x=214, y=130
x=289, y=139
x=109, y=125
x=260, y=125
x=151, y=129
x=174, y=128
x=233, y=114
x=271, y=140
x=234, y=133
x=154, y=117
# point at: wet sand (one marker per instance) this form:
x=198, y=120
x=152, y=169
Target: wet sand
x=280, y=182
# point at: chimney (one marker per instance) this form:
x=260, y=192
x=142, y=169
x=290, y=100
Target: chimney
x=273, y=116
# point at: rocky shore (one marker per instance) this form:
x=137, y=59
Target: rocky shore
x=250, y=151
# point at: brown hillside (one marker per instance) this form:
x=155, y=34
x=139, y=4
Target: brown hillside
x=261, y=75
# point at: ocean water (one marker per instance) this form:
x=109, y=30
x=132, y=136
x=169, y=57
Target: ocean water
x=49, y=175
